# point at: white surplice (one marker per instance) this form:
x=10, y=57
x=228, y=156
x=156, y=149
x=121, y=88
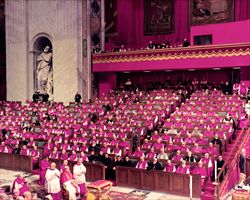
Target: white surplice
x=53, y=181
x=79, y=173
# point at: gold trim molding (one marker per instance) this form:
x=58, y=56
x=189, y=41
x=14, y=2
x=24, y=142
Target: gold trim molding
x=172, y=56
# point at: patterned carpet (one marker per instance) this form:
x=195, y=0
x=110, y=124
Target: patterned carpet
x=114, y=195
x=39, y=190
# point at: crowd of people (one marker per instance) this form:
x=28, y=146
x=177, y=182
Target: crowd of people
x=166, y=44
x=159, y=129
x=190, y=86
x=55, y=181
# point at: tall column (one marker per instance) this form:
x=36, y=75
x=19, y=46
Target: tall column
x=16, y=50
x=102, y=25
x=88, y=74
x=86, y=56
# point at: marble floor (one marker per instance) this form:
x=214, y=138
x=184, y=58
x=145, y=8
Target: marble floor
x=7, y=176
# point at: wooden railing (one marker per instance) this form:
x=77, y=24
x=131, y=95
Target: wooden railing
x=94, y=171
x=15, y=162
x=230, y=163
x=158, y=181
x=248, y=167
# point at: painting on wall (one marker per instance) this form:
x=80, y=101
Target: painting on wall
x=95, y=21
x=210, y=11
x=158, y=17
x=110, y=18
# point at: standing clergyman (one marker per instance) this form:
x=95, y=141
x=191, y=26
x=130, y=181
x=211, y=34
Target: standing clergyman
x=79, y=171
x=53, y=182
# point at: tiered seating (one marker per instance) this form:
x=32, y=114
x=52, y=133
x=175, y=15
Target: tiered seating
x=133, y=116
x=59, y=123
x=158, y=123
x=194, y=127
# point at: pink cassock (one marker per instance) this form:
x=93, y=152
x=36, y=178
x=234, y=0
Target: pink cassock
x=146, y=145
x=158, y=146
x=183, y=132
x=65, y=146
x=35, y=156
x=124, y=145
x=201, y=126
x=220, y=133
x=8, y=141
x=84, y=148
x=151, y=155
x=178, y=140
x=155, y=137
x=43, y=168
x=67, y=133
x=75, y=140
x=208, y=133
x=14, y=142
x=202, y=142
x=138, y=154
x=170, y=148
x=64, y=156
x=75, y=147
x=212, y=151
x=83, y=140
x=170, y=168
x=243, y=89
x=9, y=149
x=178, y=124
x=128, y=129
x=189, y=140
x=3, y=149
x=116, y=151
x=85, y=158
x=25, y=152
x=140, y=131
x=182, y=170
x=183, y=148
x=196, y=150
x=73, y=157
x=76, y=127
x=105, y=149
x=54, y=155
x=202, y=172
x=227, y=126
x=141, y=165
x=208, y=162
x=114, y=142
x=31, y=144
x=166, y=138
x=168, y=124
x=57, y=138
x=177, y=158
x=212, y=126
x=190, y=125
x=100, y=134
x=22, y=184
x=110, y=135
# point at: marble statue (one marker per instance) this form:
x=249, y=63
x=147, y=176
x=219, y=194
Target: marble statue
x=44, y=72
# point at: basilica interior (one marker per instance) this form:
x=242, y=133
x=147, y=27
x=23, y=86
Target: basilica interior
x=124, y=99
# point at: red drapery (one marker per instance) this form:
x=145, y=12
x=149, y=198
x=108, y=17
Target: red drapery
x=131, y=22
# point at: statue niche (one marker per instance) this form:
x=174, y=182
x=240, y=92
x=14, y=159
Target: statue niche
x=43, y=67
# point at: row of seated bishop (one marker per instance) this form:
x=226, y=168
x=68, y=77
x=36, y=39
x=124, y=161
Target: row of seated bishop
x=119, y=110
